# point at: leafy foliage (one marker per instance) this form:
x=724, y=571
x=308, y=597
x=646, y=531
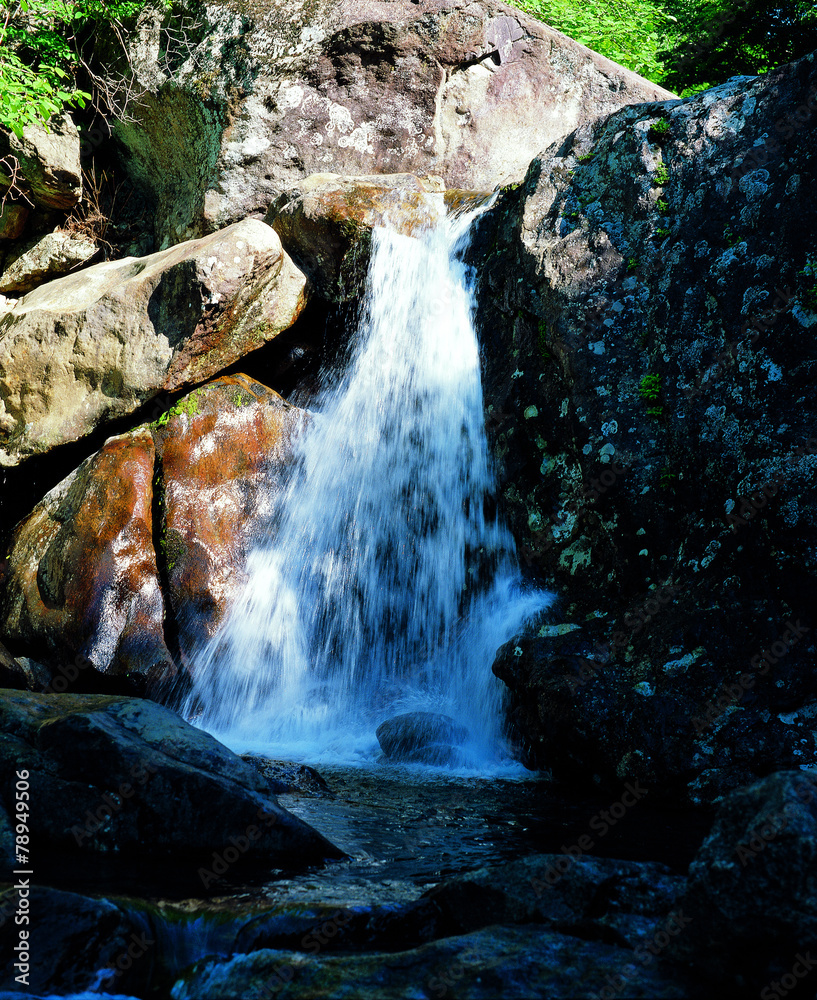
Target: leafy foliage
x=43, y=47
x=717, y=39
x=687, y=45
x=628, y=31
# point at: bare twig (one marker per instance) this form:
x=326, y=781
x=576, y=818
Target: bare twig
x=15, y=191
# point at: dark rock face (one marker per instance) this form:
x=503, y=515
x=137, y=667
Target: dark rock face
x=752, y=893
x=76, y=944
x=646, y=313
x=130, y=777
x=421, y=738
x=275, y=92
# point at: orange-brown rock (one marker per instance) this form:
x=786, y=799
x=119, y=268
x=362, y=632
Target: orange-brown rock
x=224, y=451
x=86, y=569
x=325, y=223
x=82, y=587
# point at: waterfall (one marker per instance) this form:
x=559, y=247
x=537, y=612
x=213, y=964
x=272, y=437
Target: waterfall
x=386, y=585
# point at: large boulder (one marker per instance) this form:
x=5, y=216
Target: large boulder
x=646, y=311
x=131, y=562
x=82, y=584
x=259, y=97
x=111, y=775
x=96, y=345
x=43, y=259
x=752, y=893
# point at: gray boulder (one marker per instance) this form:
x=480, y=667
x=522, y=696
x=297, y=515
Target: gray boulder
x=93, y=346
x=49, y=163
x=44, y=259
x=467, y=91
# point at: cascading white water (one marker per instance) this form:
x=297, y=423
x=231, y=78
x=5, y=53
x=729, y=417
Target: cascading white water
x=385, y=587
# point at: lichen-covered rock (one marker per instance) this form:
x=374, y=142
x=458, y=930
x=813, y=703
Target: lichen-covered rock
x=130, y=777
x=261, y=96
x=82, y=585
x=646, y=312
x=642, y=710
x=96, y=345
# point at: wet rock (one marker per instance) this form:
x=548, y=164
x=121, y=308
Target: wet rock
x=645, y=320
x=129, y=563
x=285, y=776
x=46, y=258
x=12, y=673
x=421, y=737
x=75, y=944
x=82, y=587
x=517, y=962
x=752, y=893
x=48, y=160
x=93, y=346
x=225, y=452
x=355, y=89
x=129, y=777
x=325, y=223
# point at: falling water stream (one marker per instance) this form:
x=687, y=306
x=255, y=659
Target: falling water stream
x=387, y=584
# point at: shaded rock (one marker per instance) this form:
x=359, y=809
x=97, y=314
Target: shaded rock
x=12, y=673
x=225, y=452
x=620, y=902
x=497, y=961
x=73, y=939
x=48, y=257
x=285, y=776
x=325, y=223
x=651, y=707
x=48, y=161
x=381, y=87
x=645, y=323
x=93, y=346
x=752, y=893
x=13, y=217
x=82, y=588
x=418, y=736
x=130, y=777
